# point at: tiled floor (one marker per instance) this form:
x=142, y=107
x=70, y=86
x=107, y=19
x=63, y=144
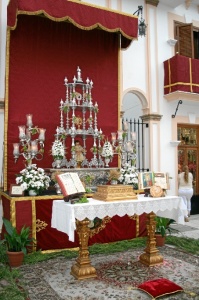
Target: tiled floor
x=190, y=229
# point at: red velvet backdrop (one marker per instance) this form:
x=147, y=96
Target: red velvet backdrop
x=42, y=53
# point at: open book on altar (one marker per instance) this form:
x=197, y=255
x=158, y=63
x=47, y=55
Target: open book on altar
x=70, y=183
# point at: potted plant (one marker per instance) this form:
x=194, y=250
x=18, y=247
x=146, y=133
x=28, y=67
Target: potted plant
x=160, y=231
x=129, y=175
x=58, y=152
x=33, y=179
x=17, y=243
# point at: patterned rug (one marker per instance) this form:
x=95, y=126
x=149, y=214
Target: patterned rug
x=118, y=277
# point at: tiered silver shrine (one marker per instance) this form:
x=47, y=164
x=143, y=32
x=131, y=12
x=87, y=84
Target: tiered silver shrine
x=78, y=119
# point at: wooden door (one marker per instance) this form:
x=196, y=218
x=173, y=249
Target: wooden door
x=188, y=151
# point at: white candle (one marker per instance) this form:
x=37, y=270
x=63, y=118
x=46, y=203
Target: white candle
x=22, y=132
x=119, y=133
x=34, y=147
x=113, y=136
x=125, y=126
x=15, y=148
x=29, y=120
x=129, y=147
x=42, y=134
x=133, y=136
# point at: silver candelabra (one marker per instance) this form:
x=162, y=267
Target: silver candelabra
x=124, y=147
x=27, y=147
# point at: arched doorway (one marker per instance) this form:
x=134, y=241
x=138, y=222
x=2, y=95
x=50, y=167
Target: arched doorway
x=134, y=104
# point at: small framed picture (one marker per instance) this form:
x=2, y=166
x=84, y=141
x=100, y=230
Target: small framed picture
x=16, y=190
x=146, y=180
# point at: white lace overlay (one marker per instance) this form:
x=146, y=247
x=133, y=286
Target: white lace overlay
x=64, y=214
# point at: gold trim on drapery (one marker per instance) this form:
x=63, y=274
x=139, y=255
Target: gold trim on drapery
x=5, y=170
x=33, y=206
x=70, y=20
x=191, y=84
x=184, y=83
x=169, y=67
x=190, y=74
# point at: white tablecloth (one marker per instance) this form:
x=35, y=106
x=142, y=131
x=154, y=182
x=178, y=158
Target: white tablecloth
x=64, y=214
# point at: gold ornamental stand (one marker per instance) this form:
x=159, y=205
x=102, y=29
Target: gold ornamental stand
x=151, y=257
x=82, y=269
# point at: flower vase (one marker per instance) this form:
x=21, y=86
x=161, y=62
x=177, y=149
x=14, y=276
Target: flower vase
x=107, y=161
x=32, y=193
x=58, y=163
x=58, y=189
x=113, y=181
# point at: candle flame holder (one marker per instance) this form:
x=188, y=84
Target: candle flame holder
x=27, y=147
x=124, y=147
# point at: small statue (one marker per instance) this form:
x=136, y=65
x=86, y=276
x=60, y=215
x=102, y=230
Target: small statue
x=79, y=78
x=79, y=152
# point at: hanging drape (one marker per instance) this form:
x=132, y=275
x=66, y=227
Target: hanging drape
x=41, y=51
x=81, y=15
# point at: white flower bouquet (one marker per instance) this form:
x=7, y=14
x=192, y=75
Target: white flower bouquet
x=58, y=150
x=33, y=178
x=129, y=176
x=107, y=150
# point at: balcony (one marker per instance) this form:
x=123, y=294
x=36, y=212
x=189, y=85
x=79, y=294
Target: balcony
x=181, y=78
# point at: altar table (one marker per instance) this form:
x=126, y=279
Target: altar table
x=36, y=212
x=68, y=217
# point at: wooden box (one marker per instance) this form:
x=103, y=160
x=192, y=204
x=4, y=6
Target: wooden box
x=114, y=192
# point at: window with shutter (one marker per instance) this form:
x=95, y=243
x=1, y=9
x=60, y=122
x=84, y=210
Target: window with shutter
x=188, y=40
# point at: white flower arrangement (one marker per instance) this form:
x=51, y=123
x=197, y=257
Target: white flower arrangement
x=107, y=150
x=129, y=176
x=58, y=150
x=33, y=178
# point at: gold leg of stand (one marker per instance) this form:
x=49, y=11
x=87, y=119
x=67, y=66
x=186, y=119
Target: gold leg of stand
x=82, y=269
x=151, y=257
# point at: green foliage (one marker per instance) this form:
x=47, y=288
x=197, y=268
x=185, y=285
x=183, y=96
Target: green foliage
x=161, y=225
x=117, y=246
x=34, y=130
x=83, y=199
x=15, y=241
x=12, y=287
x=188, y=245
x=40, y=256
x=3, y=255
x=88, y=190
x=88, y=179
